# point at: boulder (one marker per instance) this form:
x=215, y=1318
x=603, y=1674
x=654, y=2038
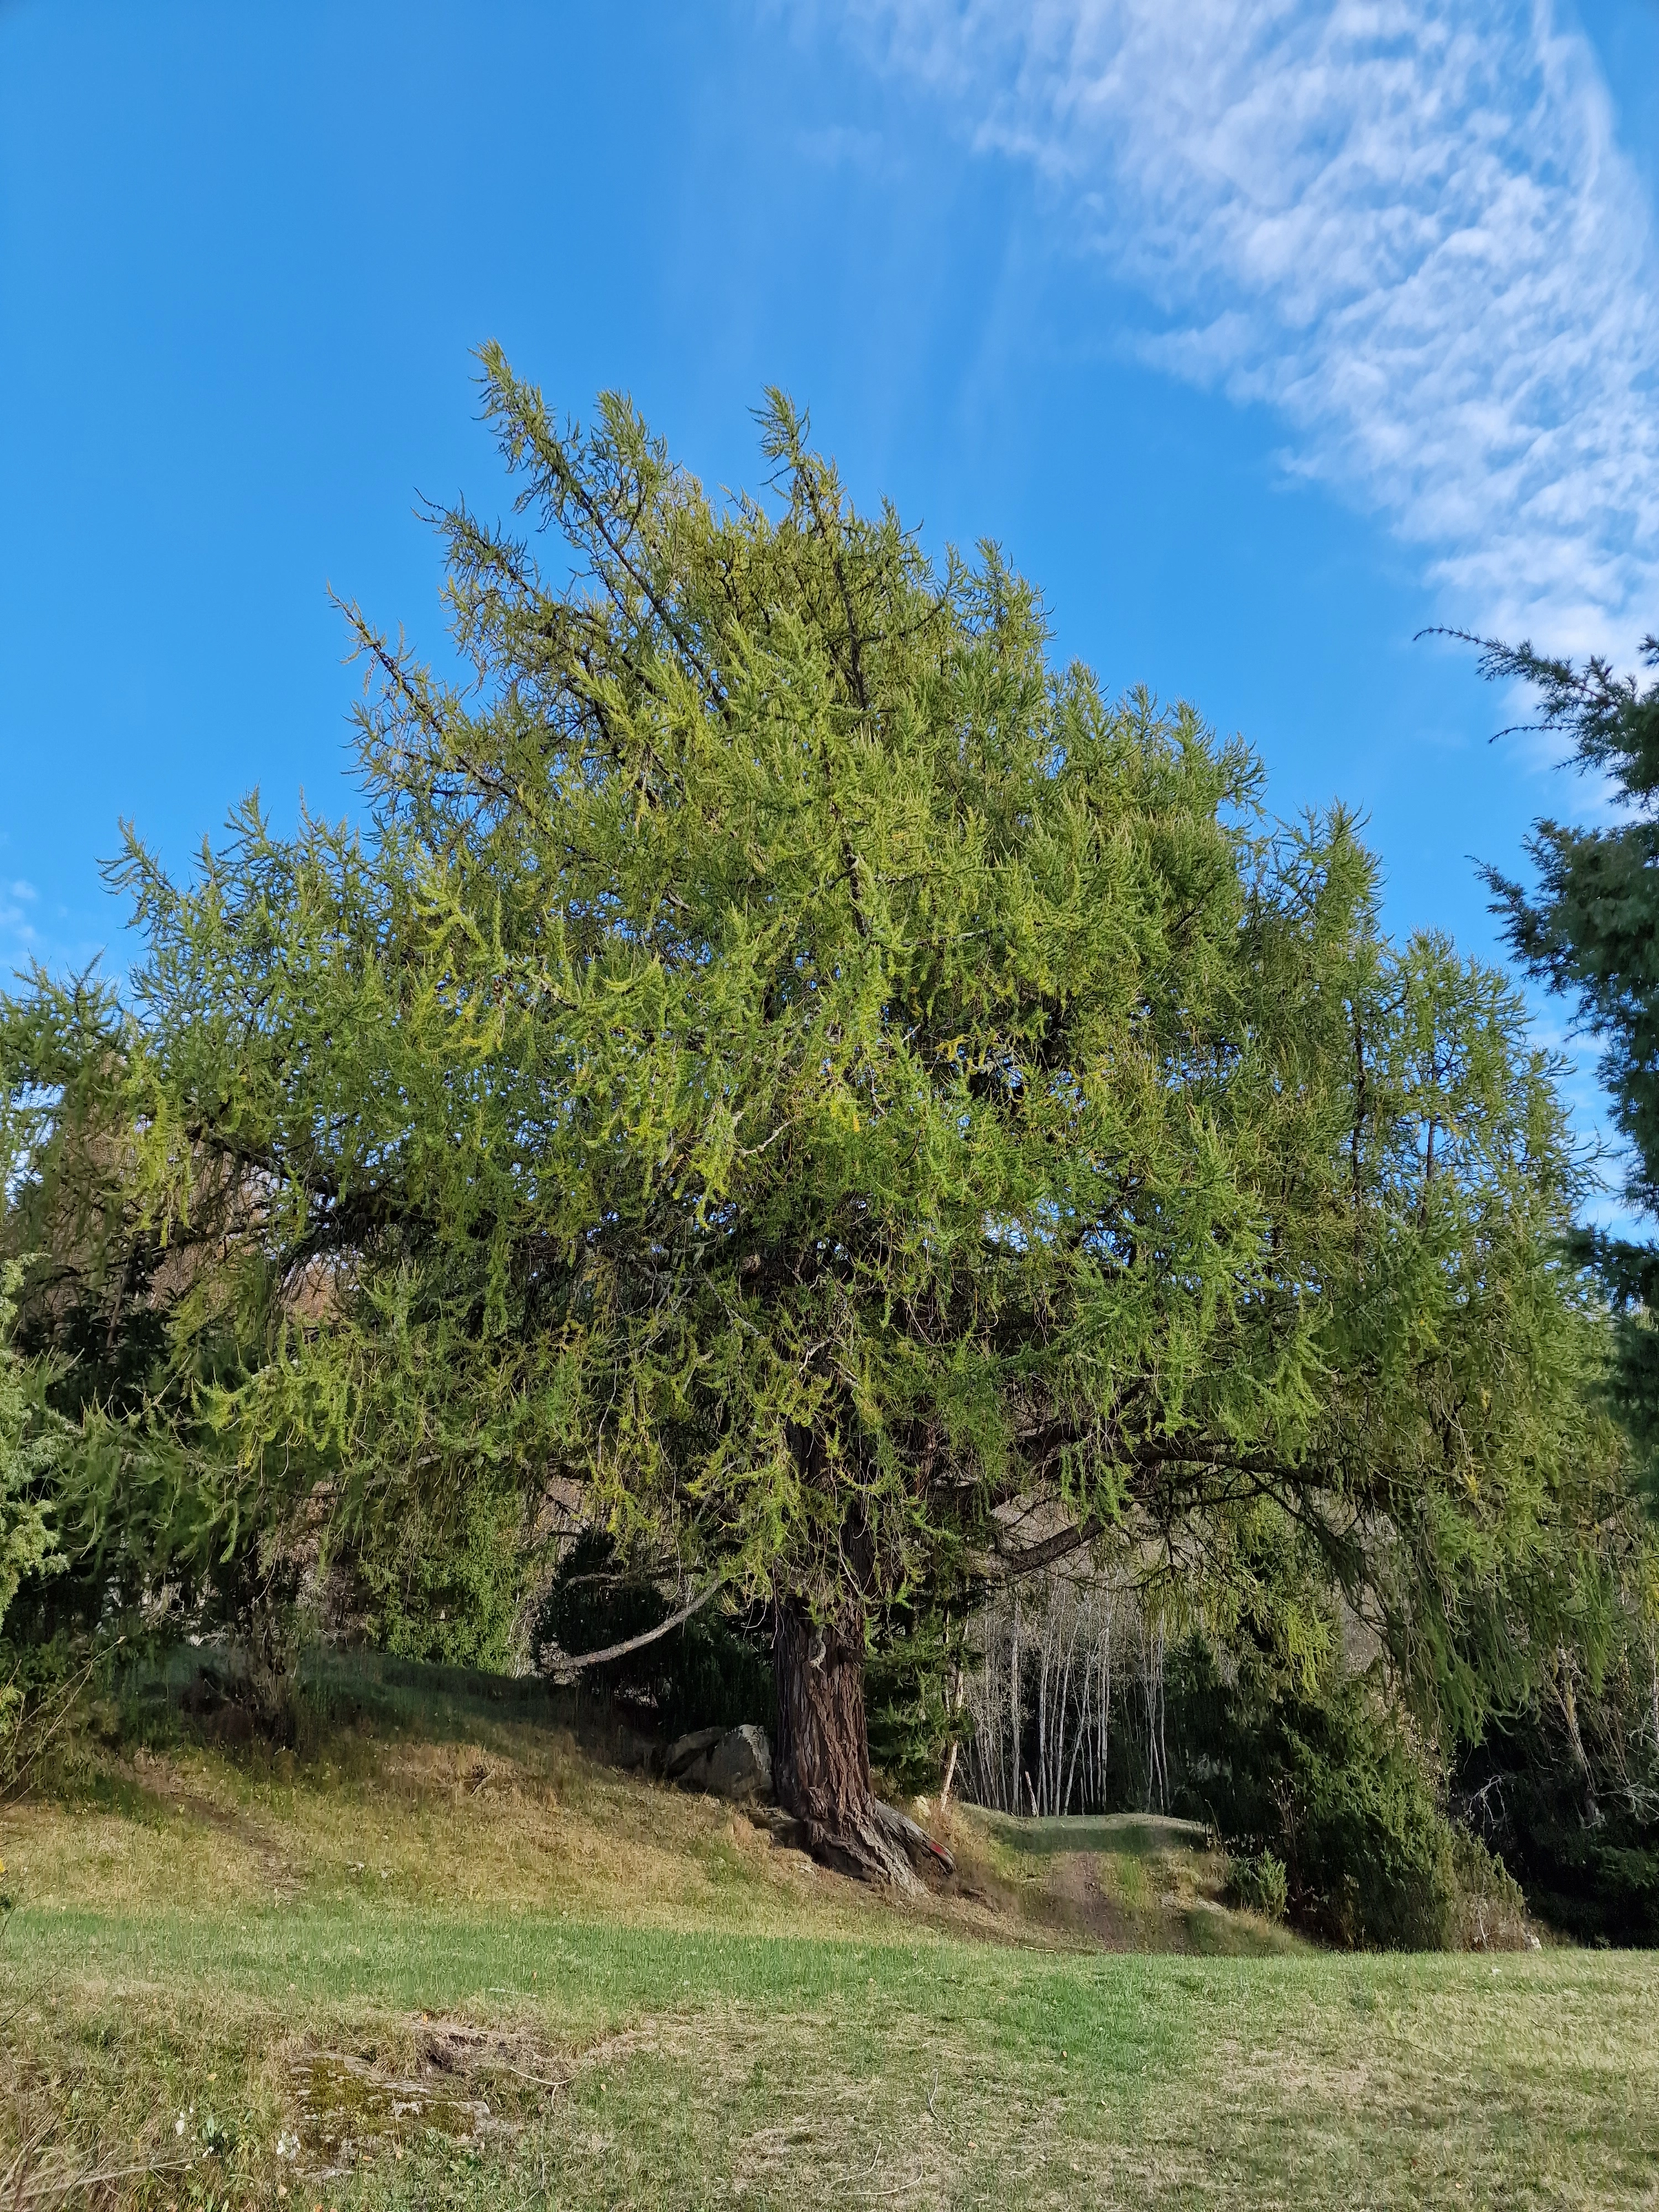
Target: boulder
x=740, y=1765
x=685, y=1751
x=735, y=1764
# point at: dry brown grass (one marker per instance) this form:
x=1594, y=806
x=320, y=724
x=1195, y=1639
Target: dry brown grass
x=523, y=1817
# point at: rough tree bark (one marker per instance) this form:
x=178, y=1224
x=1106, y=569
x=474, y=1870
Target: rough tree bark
x=821, y=1752
x=821, y=1757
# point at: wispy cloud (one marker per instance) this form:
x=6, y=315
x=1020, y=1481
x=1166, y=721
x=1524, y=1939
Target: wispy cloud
x=19, y=939
x=32, y=932
x=1408, y=228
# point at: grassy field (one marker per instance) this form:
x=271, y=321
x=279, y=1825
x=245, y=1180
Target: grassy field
x=449, y=1958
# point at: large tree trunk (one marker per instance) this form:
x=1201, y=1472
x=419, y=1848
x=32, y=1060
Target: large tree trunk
x=821, y=1757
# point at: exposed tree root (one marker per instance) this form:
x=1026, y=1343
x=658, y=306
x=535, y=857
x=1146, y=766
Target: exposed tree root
x=886, y=1850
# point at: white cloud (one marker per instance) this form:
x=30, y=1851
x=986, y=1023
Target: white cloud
x=18, y=939
x=1408, y=228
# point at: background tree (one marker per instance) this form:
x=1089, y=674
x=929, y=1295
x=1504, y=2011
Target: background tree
x=1590, y=931
x=788, y=1068
x=1567, y=1782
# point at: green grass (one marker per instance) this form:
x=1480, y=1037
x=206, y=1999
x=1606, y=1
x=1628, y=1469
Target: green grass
x=1138, y=1835
x=366, y=1948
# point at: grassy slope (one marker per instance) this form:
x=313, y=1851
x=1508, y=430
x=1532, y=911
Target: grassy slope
x=463, y=1910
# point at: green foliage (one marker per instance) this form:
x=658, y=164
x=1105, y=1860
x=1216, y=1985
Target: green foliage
x=791, y=1066
x=709, y=1672
x=1591, y=930
x=911, y=1673
x=447, y=1586
x=1333, y=1787
x=1372, y=1849
x=32, y=1445
x=1259, y=1883
x=44, y=1686
x=1491, y=1911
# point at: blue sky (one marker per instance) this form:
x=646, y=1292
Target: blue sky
x=1261, y=336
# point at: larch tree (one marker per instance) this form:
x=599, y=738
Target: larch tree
x=33, y=1434
x=787, y=1064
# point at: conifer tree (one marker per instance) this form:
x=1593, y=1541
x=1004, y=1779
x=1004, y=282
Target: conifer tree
x=788, y=1066
x=31, y=1437
x=1590, y=931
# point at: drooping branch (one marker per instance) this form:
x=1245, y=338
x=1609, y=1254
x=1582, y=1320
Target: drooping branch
x=571, y=1663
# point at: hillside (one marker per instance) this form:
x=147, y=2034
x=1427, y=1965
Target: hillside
x=449, y=1953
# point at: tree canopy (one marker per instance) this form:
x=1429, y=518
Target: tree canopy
x=1589, y=929
x=32, y=1439
x=786, y=1066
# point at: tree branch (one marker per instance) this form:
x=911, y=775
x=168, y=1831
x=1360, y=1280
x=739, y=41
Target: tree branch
x=568, y=1663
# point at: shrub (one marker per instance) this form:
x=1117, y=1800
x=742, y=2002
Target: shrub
x=1333, y=1787
x=1259, y=1883
x=1491, y=1910
x=911, y=1668
x=51, y=1706
x=1373, y=1858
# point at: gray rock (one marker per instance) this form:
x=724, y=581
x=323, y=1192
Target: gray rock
x=740, y=1765
x=685, y=1751
x=735, y=1764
